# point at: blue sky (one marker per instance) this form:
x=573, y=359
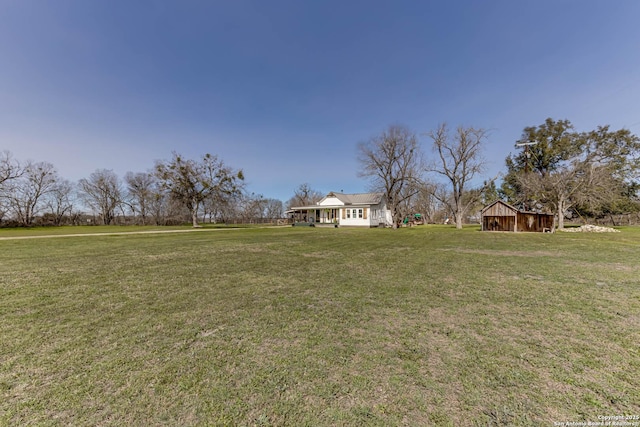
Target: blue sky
x=286, y=89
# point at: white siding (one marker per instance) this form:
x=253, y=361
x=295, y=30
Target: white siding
x=375, y=215
x=354, y=216
x=331, y=201
x=379, y=214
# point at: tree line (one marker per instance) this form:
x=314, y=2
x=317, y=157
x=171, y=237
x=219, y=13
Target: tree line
x=586, y=174
x=174, y=191
x=555, y=169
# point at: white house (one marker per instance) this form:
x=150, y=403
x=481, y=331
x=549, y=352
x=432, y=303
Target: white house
x=358, y=210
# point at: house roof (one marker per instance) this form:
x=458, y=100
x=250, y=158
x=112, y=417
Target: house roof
x=356, y=199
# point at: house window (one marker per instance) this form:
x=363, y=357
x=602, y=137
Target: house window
x=360, y=213
x=355, y=213
x=348, y=213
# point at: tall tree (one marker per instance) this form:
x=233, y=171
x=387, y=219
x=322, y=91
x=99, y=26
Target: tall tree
x=559, y=169
x=619, y=150
x=60, y=201
x=393, y=163
x=37, y=180
x=160, y=206
x=274, y=209
x=9, y=168
x=222, y=209
x=304, y=195
x=543, y=149
x=142, y=190
x=426, y=202
x=613, y=158
x=103, y=192
x=565, y=187
x=459, y=161
x=192, y=182
x=251, y=207
x=490, y=193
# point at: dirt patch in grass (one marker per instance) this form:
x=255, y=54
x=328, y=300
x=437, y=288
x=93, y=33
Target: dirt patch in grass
x=491, y=252
x=610, y=266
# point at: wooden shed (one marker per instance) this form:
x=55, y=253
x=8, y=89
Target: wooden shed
x=501, y=216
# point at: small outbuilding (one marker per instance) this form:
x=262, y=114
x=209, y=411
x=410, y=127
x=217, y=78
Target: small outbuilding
x=501, y=216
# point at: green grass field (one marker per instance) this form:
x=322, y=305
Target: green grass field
x=287, y=326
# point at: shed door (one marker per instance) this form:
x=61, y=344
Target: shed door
x=499, y=223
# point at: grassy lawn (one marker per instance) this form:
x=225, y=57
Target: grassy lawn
x=102, y=229
x=289, y=326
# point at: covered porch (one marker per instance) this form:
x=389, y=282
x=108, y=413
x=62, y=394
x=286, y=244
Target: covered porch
x=315, y=214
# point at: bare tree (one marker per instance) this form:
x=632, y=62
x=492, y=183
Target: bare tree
x=427, y=204
x=103, y=192
x=192, y=182
x=251, y=207
x=59, y=201
x=160, y=206
x=304, y=195
x=4, y=208
x=393, y=163
x=274, y=208
x=459, y=161
x=254, y=207
x=9, y=168
x=222, y=210
x=141, y=189
x=28, y=190
x=579, y=182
